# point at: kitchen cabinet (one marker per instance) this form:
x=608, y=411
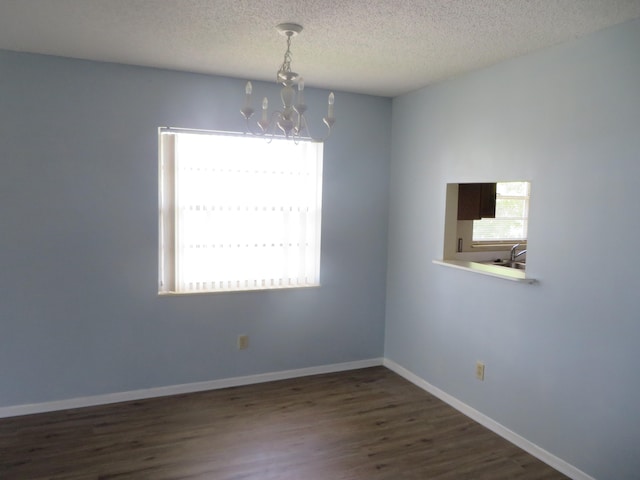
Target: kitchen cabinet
x=476, y=201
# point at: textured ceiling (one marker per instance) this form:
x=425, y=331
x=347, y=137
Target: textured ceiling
x=380, y=47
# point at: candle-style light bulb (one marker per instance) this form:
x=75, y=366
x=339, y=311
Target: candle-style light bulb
x=265, y=106
x=263, y=123
x=332, y=99
x=247, y=96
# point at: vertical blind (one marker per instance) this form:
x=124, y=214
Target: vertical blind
x=244, y=214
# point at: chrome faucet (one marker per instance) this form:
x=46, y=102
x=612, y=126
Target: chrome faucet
x=515, y=255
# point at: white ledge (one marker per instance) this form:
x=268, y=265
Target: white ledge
x=497, y=271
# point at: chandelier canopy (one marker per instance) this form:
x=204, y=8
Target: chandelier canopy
x=290, y=121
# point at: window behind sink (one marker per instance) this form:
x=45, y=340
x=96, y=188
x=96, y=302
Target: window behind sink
x=509, y=226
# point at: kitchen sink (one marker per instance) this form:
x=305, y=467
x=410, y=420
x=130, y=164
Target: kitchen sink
x=508, y=264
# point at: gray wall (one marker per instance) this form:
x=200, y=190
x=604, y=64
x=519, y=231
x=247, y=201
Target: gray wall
x=79, y=311
x=561, y=356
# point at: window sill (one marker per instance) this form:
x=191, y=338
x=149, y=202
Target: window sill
x=234, y=290
x=496, y=247
x=496, y=271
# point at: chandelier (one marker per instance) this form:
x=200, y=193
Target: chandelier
x=290, y=120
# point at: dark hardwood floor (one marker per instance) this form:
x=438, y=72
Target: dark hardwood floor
x=363, y=424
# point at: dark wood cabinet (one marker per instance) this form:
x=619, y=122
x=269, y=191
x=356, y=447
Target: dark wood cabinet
x=476, y=201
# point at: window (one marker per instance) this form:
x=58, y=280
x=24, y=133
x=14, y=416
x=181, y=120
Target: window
x=238, y=213
x=511, y=216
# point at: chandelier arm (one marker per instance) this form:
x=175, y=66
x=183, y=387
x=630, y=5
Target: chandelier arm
x=252, y=131
x=296, y=134
x=271, y=128
x=305, y=126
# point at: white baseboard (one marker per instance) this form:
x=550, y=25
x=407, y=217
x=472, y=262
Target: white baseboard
x=16, y=410
x=529, y=447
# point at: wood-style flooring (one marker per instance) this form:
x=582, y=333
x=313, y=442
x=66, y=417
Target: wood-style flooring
x=367, y=424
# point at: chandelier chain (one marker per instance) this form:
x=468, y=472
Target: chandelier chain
x=286, y=64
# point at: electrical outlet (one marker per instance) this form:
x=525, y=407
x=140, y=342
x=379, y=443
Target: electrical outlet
x=243, y=342
x=480, y=370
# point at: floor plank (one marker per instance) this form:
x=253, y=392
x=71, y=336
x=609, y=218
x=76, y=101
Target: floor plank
x=363, y=424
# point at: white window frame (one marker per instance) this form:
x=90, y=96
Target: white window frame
x=245, y=219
